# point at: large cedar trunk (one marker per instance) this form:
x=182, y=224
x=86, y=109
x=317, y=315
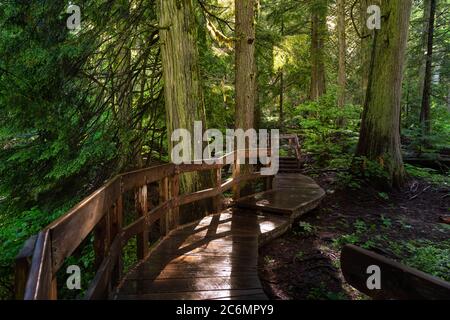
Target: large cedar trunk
x=245, y=71
x=366, y=44
x=182, y=87
x=379, y=135
x=318, y=34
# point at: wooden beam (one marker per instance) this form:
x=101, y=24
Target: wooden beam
x=218, y=190
x=163, y=198
x=116, y=230
x=22, y=267
x=40, y=281
x=397, y=280
x=71, y=230
x=174, y=213
x=142, y=211
x=102, y=239
x=236, y=174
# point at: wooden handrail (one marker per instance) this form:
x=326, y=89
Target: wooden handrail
x=295, y=143
x=101, y=213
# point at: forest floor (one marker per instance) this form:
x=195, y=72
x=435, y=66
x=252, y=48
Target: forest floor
x=403, y=225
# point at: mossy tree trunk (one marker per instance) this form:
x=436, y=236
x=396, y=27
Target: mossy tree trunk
x=245, y=71
x=365, y=48
x=379, y=134
x=182, y=87
x=319, y=30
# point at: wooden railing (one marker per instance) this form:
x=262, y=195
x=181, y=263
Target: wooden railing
x=102, y=214
x=294, y=143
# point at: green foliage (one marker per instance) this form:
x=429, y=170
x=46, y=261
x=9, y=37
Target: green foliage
x=345, y=239
x=321, y=293
x=306, y=228
x=331, y=143
x=427, y=256
x=428, y=174
x=387, y=223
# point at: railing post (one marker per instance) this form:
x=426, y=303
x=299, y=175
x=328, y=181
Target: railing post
x=54, y=289
x=142, y=210
x=164, y=197
x=116, y=229
x=22, y=267
x=236, y=174
x=174, y=213
x=218, y=182
x=102, y=239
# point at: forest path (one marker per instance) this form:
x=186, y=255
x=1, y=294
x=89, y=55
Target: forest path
x=217, y=257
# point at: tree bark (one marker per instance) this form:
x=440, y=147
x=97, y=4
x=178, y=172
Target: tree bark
x=424, y=44
x=282, y=84
x=182, y=87
x=425, y=113
x=318, y=34
x=379, y=134
x=342, y=52
x=245, y=71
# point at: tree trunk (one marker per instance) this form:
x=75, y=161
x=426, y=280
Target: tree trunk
x=425, y=117
x=318, y=34
x=379, y=134
x=366, y=48
x=342, y=52
x=182, y=87
x=424, y=45
x=245, y=71
x=448, y=100
x=281, y=98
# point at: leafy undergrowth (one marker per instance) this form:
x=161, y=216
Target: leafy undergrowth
x=404, y=226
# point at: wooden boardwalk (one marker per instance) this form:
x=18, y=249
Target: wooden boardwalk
x=217, y=257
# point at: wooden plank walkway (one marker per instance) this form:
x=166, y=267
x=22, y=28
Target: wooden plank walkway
x=293, y=194
x=217, y=257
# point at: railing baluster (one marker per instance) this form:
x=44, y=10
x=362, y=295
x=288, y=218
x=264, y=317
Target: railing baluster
x=174, y=213
x=218, y=181
x=102, y=239
x=236, y=174
x=116, y=229
x=164, y=197
x=22, y=268
x=142, y=210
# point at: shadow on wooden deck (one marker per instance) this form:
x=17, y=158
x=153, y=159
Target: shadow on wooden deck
x=217, y=257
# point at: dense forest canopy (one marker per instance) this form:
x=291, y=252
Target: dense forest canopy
x=79, y=106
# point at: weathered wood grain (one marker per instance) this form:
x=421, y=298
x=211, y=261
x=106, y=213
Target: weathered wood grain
x=397, y=280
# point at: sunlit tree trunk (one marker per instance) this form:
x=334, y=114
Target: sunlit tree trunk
x=318, y=34
x=245, y=70
x=182, y=87
x=282, y=84
x=379, y=135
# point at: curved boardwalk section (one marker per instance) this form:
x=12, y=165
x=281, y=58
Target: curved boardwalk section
x=217, y=257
